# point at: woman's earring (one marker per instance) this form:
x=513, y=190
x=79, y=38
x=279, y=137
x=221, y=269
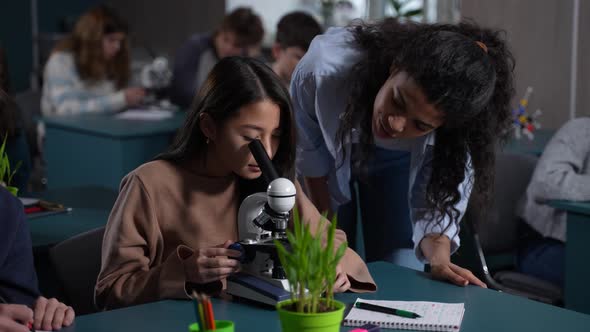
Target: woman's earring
x=207, y=140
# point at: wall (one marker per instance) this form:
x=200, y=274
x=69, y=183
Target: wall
x=540, y=32
x=583, y=104
x=165, y=25
x=15, y=31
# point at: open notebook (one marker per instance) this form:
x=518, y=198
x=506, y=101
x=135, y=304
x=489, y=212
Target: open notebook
x=435, y=316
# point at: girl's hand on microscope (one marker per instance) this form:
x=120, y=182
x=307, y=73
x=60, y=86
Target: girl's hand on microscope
x=342, y=283
x=211, y=264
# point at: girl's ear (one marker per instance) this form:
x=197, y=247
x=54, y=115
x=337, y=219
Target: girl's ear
x=208, y=126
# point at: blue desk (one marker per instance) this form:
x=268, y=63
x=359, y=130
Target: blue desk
x=577, y=255
x=50, y=230
x=535, y=147
x=101, y=149
x=485, y=310
x=90, y=209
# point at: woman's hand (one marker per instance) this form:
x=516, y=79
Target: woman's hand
x=15, y=317
x=50, y=314
x=436, y=249
x=342, y=283
x=455, y=274
x=134, y=96
x=211, y=264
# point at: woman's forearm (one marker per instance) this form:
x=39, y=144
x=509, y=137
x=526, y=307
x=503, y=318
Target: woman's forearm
x=436, y=248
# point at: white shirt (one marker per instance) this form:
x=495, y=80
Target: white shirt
x=65, y=93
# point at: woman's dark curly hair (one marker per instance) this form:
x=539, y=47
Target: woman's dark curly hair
x=472, y=86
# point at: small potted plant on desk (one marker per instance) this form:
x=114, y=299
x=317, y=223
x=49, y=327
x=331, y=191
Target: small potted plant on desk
x=6, y=174
x=310, y=264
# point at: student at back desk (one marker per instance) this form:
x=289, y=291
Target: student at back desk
x=89, y=70
x=563, y=172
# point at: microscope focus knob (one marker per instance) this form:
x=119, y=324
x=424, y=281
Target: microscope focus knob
x=281, y=195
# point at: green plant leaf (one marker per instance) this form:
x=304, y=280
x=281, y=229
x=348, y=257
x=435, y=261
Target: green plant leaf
x=413, y=12
x=3, y=161
x=6, y=174
x=310, y=263
x=11, y=175
x=396, y=5
x=340, y=252
x=3, y=145
x=5, y=169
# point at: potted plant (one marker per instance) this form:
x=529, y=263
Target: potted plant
x=310, y=264
x=6, y=174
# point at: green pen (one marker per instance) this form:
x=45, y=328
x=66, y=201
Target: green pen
x=386, y=310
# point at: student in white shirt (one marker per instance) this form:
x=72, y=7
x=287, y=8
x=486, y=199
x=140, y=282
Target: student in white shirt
x=88, y=71
x=440, y=93
x=563, y=172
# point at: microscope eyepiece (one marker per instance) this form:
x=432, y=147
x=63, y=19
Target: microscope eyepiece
x=268, y=170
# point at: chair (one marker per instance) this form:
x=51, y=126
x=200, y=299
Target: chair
x=492, y=243
x=77, y=263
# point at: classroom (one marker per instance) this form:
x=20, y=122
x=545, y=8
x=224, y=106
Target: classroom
x=294, y=165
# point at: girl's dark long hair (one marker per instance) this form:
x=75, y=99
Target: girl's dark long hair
x=233, y=83
x=470, y=83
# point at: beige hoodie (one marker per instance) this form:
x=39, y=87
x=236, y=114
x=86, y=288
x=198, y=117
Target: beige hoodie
x=162, y=214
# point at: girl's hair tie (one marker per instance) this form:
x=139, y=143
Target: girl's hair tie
x=483, y=46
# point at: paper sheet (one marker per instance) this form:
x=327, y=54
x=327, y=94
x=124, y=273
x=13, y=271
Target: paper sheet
x=144, y=114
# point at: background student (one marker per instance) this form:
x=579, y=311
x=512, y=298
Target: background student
x=240, y=33
x=176, y=216
x=18, y=281
x=89, y=70
x=424, y=105
x=295, y=32
x=563, y=172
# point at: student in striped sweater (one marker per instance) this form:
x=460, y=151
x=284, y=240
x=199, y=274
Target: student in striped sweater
x=89, y=70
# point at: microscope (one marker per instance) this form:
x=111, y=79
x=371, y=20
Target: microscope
x=155, y=77
x=262, y=219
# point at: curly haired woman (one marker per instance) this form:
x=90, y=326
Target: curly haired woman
x=423, y=106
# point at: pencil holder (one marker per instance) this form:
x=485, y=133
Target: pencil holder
x=220, y=326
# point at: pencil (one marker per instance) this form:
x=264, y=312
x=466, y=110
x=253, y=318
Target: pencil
x=195, y=301
x=202, y=315
x=211, y=316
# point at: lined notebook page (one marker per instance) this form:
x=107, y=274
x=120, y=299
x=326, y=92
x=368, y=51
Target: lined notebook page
x=435, y=316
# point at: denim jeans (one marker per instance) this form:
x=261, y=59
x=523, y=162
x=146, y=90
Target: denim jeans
x=380, y=199
x=544, y=259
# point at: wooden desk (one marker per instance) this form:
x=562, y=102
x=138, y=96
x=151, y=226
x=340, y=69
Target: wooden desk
x=485, y=310
x=101, y=149
x=577, y=255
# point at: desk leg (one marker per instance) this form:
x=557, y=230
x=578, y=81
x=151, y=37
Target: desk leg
x=577, y=263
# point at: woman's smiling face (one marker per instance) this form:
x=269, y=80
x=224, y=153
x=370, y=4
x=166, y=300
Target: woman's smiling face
x=401, y=109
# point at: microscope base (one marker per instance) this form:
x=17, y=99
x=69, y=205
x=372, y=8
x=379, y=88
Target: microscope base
x=256, y=289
